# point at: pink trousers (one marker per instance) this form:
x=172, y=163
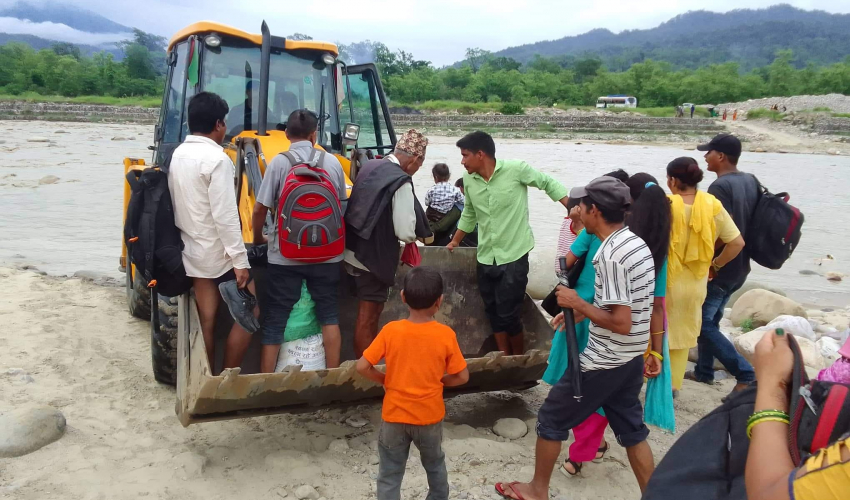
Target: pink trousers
x=588, y=437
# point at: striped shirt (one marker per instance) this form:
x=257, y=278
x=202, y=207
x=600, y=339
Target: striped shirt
x=625, y=276
x=565, y=240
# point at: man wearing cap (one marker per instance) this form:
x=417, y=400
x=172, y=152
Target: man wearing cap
x=612, y=364
x=497, y=200
x=739, y=193
x=382, y=211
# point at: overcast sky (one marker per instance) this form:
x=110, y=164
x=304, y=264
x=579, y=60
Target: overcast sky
x=436, y=30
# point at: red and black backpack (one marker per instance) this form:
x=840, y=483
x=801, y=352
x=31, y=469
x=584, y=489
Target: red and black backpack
x=309, y=223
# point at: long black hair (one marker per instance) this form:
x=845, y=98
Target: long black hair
x=650, y=217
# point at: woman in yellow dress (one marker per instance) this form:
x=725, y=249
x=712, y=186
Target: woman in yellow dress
x=699, y=221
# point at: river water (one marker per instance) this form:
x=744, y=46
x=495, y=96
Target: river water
x=76, y=223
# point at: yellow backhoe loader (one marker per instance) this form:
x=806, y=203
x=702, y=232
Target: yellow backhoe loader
x=263, y=78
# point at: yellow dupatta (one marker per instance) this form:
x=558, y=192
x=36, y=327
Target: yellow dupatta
x=692, y=243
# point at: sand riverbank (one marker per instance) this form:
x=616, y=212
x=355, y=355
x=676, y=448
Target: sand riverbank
x=87, y=357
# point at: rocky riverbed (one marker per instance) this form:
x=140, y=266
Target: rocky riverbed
x=76, y=349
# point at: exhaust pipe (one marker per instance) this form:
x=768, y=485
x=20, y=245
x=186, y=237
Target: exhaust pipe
x=265, y=61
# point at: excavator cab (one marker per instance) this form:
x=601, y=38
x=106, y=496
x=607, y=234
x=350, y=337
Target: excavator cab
x=264, y=78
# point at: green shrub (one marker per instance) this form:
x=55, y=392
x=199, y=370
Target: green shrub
x=747, y=325
x=768, y=114
x=822, y=108
x=511, y=108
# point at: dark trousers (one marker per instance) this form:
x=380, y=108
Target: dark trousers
x=394, y=449
x=712, y=344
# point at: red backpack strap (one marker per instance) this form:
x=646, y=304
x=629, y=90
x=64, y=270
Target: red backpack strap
x=829, y=416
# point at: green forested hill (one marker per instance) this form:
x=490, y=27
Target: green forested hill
x=695, y=39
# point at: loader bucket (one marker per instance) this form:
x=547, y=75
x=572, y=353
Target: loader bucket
x=242, y=392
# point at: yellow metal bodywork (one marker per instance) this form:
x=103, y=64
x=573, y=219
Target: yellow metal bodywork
x=129, y=164
x=205, y=27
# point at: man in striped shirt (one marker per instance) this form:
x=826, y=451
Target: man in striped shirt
x=612, y=364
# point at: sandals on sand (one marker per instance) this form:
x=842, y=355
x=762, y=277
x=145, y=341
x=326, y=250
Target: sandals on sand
x=500, y=489
x=578, y=465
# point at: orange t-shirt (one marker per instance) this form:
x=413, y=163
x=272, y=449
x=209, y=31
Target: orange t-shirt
x=417, y=356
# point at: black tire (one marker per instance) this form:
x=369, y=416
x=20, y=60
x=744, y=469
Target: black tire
x=138, y=295
x=164, y=342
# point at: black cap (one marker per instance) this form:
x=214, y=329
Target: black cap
x=727, y=144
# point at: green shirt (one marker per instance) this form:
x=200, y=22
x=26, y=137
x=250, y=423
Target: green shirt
x=500, y=208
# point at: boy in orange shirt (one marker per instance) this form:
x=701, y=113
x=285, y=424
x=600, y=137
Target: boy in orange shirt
x=422, y=356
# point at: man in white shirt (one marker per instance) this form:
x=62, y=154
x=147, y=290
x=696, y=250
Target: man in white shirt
x=201, y=181
x=612, y=365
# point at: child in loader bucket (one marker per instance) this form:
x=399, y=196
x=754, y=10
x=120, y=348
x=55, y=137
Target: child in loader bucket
x=413, y=408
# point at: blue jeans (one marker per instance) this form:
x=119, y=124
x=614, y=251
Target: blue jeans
x=712, y=344
x=394, y=449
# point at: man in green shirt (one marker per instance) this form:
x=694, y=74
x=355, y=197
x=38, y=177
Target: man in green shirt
x=497, y=200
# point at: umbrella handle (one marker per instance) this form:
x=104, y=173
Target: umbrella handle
x=570, y=334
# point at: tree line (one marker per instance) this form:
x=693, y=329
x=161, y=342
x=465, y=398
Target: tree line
x=480, y=78
x=580, y=81
x=63, y=70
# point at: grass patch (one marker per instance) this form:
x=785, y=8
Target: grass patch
x=747, y=325
x=459, y=106
x=841, y=115
x=768, y=114
x=821, y=108
x=145, y=102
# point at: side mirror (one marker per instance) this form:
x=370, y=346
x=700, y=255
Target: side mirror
x=350, y=134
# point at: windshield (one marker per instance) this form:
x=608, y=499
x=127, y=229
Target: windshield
x=295, y=82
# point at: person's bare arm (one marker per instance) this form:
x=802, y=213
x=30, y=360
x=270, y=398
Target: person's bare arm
x=459, y=236
x=365, y=368
x=768, y=460
x=456, y=379
x=652, y=366
x=618, y=319
x=730, y=251
x=258, y=220
x=565, y=201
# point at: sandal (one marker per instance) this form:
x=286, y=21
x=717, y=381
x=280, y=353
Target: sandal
x=500, y=489
x=576, y=465
x=603, y=450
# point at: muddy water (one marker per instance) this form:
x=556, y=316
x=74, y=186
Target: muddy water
x=76, y=222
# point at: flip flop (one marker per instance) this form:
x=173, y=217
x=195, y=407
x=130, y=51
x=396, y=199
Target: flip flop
x=500, y=489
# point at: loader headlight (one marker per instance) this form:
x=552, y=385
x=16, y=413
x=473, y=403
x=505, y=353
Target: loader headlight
x=212, y=40
x=328, y=59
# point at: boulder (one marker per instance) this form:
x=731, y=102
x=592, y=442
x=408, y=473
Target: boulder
x=763, y=306
x=27, y=429
x=306, y=492
x=510, y=428
x=812, y=358
x=541, y=273
x=795, y=325
x=834, y=276
x=751, y=285
x=48, y=179
x=339, y=446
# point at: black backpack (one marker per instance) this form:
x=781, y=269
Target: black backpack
x=707, y=461
x=774, y=229
x=153, y=240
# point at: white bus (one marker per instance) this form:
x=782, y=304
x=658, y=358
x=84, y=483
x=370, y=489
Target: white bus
x=616, y=101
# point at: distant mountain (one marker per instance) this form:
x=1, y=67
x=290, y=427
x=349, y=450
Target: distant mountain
x=39, y=43
x=694, y=39
x=69, y=15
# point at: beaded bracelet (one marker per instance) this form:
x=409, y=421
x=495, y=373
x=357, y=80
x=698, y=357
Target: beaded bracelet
x=766, y=416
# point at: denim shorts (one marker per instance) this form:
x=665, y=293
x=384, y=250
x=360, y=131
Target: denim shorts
x=284, y=290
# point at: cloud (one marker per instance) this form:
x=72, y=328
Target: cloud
x=59, y=32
